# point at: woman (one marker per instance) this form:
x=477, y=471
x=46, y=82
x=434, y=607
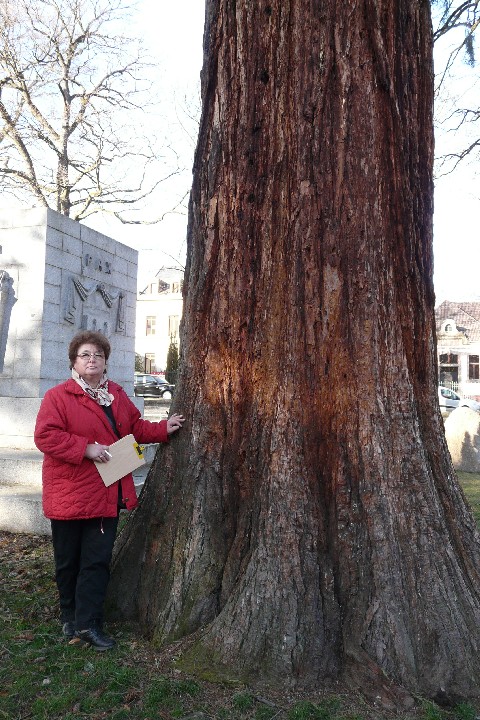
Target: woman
x=77, y=422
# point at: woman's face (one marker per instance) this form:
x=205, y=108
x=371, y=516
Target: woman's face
x=90, y=363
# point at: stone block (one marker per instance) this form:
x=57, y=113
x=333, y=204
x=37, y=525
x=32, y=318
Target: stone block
x=56, y=370
x=132, y=284
x=52, y=311
x=51, y=329
x=45, y=384
x=53, y=275
x=27, y=366
x=64, y=224
x=72, y=246
x=17, y=421
x=53, y=350
x=58, y=259
x=19, y=218
x=23, y=388
x=462, y=431
x=98, y=262
x=26, y=268
x=19, y=466
x=126, y=252
x=97, y=239
x=55, y=238
x=132, y=272
x=52, y=294
x=121, y=267
x=21, y=510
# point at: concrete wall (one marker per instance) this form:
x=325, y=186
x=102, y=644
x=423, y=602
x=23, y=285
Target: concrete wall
x=56, y=277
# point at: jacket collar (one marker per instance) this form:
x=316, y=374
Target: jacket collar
x=72, y=387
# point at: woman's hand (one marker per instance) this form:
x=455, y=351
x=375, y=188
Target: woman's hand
x=97, y=452
x=174, y=423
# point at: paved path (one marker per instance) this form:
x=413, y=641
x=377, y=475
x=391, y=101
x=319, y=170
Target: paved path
x=156, y=410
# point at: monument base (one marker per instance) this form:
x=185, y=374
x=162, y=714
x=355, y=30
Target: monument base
x=21, y=489
x=17, y=420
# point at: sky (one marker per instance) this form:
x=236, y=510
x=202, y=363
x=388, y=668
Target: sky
x=457, y=194
x=173, y=34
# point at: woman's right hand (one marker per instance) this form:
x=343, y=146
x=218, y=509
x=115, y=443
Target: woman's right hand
x=174, y=423
x=97, y=452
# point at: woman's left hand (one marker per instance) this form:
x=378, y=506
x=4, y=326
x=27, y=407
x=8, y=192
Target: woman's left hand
x=97, y=453
x=174, y=423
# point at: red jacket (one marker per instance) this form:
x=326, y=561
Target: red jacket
x=68, y=421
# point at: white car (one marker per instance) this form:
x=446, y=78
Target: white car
x=448, y=400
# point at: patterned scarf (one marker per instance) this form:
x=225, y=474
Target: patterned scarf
x=100, y=394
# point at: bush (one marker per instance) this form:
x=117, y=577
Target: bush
x=172, y=363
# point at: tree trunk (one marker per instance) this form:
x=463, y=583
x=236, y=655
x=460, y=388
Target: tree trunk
x=308, y=519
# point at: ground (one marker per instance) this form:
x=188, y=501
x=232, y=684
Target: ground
x=42, y=677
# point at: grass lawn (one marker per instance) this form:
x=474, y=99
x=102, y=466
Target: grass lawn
x=42, y=678
x=470, y=483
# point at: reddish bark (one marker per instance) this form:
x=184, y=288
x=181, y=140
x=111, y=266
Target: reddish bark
x=308, y=516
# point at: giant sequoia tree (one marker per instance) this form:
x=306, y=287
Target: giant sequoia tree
x=307, y=523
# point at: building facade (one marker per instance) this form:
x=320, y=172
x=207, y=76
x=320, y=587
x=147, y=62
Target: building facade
x=159, y=311
x=458, y=346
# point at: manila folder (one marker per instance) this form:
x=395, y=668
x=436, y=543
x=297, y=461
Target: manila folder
x=127, y=456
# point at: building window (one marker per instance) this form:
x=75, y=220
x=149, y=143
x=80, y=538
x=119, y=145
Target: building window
x=448, y=369
x=448, y=328
x=173, y=323
x=176, y=287
x=150, y=326
x=473, y=367
x=150, y=362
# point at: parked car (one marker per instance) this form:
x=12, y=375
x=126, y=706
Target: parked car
x=468, y=402
x=448, y=400
x=152, y=386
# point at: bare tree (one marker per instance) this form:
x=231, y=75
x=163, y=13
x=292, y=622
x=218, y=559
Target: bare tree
x=454, y=15
x=457, y=23
x=72, y=93
x=307, y=524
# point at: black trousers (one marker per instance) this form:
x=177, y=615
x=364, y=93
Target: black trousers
x=83, y=551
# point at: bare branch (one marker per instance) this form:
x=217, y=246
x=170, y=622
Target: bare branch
x=73, y=96
x=30, y=175
x=463, y=17
x=457, y=157
x=453, y=17
x=172, y=211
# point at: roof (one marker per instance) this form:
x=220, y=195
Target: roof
x=466, y=316
x=163, y=280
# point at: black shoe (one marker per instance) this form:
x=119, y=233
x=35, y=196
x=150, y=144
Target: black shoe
x=68, y=630
x=93, y=637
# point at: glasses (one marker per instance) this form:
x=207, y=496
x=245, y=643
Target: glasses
x=87, y=356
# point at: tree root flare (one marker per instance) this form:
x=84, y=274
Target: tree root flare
x=362, y=673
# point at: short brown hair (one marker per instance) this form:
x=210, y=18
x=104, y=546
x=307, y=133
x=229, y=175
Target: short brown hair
x=85, y=337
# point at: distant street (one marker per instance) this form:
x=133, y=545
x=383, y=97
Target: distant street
x=156, y=410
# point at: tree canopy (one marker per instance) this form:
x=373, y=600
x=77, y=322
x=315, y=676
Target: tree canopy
x=74, y=90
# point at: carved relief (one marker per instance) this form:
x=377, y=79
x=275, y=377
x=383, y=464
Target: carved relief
x=98, y=263
x=120, y=328
x=97, y=301
x=7, y=301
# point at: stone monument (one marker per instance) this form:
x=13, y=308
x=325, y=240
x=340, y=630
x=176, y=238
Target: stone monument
x=462, y=432
x=56, y=277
